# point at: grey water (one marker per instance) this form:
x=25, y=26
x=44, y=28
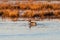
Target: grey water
x=19, y=30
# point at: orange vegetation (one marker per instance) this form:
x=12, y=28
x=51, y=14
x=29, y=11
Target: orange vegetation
x=32, y=10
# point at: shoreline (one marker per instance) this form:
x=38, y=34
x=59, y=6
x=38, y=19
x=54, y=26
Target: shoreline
x=24, y=19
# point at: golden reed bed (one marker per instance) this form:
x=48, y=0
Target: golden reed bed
x=29, y=9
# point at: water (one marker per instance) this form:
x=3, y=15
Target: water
x=19, y=30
